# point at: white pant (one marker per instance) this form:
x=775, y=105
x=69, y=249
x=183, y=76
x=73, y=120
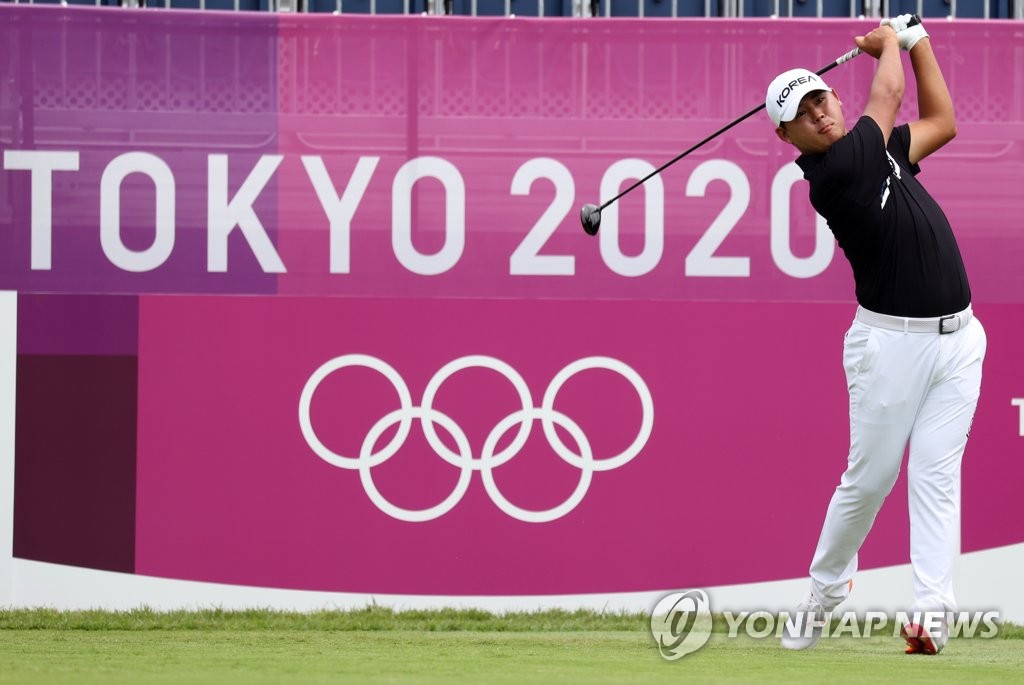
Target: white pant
x=904, y=386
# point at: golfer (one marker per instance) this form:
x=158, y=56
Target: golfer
x=914, y=352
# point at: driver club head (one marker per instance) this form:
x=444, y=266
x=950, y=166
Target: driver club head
x=590, y=217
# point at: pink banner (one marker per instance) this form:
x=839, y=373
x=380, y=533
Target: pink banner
x=400, y=446
x=393, y=156
x=309, y=301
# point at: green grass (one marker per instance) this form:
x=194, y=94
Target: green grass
x=376, y=645
x=370, y=618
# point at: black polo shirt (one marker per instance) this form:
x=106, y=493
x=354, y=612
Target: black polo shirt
x=905, y=259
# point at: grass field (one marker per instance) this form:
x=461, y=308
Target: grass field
x=376, y=645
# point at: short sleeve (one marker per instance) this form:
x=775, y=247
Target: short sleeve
x=856, y=166
x=899, y=147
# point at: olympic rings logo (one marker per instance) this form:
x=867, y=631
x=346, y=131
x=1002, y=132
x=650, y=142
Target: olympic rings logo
x=462, y=457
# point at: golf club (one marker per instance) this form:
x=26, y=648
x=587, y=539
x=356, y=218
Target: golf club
x=590, y=215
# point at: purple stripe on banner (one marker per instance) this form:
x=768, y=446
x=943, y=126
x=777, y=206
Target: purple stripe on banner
x=449, y=156
x=78, y=324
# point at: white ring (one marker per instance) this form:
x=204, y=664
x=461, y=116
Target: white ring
x=477, y=360
x=489, y=462
x=326, y=369
x=366, y=465
x=646, y=404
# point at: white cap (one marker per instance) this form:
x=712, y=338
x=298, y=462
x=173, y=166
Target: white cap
x=786, y=91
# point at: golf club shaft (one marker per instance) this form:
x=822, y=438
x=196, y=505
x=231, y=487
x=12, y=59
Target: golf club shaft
x=847, y=56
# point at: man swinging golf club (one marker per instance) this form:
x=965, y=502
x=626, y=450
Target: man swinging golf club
x=914, y=352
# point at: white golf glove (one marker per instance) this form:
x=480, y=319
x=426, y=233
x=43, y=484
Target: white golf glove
x=907, y=35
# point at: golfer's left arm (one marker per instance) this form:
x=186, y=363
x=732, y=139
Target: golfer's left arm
x=937, y=123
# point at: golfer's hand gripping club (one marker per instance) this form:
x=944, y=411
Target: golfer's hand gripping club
x=908, y=28
x=590, y=215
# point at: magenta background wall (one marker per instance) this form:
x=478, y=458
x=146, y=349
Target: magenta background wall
x=407, y=190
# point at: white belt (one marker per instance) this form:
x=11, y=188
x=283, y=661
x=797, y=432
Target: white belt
x=941, y=325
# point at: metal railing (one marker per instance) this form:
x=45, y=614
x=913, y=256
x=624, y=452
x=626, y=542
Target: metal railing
x=1004, y=9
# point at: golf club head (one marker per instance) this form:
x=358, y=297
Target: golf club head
x=590, y=217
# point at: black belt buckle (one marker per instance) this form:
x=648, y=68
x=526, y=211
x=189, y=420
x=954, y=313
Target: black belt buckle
x=944, y=319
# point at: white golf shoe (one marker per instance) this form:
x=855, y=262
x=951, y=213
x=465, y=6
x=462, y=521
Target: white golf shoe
x=804, y=626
